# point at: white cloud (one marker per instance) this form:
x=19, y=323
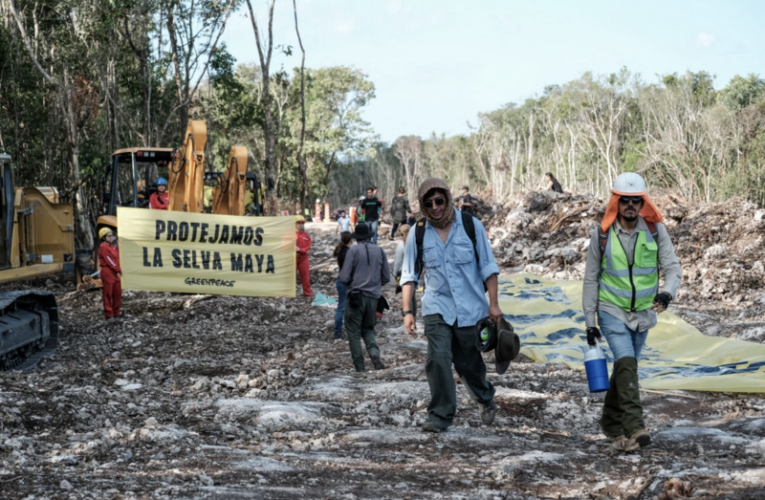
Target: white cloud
x=704, y=40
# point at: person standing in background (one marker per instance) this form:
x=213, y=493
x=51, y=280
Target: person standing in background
x=303, y=246
x=370, y=207
x=552, y=183
x=343, y=222
x=398, y=264
x=159, y=200
x=111, y=273
x=399, y=210
x=359, y=211
x=342, y=291
x=466, y=201
x=364, y=272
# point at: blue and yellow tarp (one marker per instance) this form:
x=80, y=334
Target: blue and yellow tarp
x=548, y=317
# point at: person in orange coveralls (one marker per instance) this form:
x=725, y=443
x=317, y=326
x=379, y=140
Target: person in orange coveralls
x=303, y=247
x=111, y=273
x=159, y=200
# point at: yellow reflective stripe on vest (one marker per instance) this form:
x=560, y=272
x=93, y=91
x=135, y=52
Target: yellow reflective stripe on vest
x=632, y=289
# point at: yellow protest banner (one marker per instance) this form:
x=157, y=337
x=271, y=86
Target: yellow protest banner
x=547, y=316
x=184, y=252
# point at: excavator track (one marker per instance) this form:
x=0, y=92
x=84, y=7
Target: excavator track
x=28, y=328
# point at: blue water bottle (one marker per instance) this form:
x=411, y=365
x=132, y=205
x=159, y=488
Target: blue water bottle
x=596, y=368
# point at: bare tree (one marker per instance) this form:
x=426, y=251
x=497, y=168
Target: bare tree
x=194, y=30
x=268, y=130
x=74, y=97
x=300, y=157
x=409, y=152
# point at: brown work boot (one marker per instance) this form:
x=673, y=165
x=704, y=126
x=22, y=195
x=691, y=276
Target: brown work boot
x=640, y=439
x=619, y=444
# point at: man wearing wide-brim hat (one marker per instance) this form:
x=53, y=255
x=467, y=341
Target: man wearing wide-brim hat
x=621, y=295
x=365, y=270
x=454, y=301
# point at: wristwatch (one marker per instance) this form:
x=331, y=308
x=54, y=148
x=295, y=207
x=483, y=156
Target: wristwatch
x=404, y=313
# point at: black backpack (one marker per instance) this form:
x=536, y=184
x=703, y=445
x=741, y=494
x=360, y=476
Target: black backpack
x=419, y=236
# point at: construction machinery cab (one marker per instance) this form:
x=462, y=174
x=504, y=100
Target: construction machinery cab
x=212, y=180
x=133, y=177
x=253, y=198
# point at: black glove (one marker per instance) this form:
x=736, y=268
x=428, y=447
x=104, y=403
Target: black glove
x=663, y=298
x=592, y=334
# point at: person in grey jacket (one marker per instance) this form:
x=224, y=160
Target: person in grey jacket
x=621, y=295
x=399, y=210
x=365, y=271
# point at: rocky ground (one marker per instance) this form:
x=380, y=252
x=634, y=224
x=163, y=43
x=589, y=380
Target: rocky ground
x=230, y=397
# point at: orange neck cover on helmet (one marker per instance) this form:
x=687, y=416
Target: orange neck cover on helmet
x=649, y=211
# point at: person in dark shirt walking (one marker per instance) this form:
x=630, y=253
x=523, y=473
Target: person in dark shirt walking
x=370, y=207
x=364, y=272
x=341, y=250
x=466, y=203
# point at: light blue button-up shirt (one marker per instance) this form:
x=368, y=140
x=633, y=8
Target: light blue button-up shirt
x=453, y=280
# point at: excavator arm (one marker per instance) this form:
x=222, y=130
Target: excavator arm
x=186, y=183
x=228, y=196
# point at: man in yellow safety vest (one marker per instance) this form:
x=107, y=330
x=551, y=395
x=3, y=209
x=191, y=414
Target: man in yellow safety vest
x=621, y=295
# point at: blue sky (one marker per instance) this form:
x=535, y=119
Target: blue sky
x=437, y=64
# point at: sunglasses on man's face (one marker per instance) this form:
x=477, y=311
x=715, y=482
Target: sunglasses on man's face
x=438, y=201
x=635, y=200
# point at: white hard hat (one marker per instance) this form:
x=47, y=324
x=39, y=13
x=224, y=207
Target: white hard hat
x=629, y=183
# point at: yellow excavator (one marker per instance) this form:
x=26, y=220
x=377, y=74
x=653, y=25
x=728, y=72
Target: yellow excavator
x=36, y=240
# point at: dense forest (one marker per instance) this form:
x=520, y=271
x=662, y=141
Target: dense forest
x=80, y=79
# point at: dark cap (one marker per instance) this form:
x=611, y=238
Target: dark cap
x=363, y=232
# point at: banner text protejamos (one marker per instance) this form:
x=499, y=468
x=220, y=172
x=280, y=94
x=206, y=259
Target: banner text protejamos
x=219, y=254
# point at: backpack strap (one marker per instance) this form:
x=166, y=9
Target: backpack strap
x=419, y=236
x=467, y=221
x=603, y=238
x=652, y=229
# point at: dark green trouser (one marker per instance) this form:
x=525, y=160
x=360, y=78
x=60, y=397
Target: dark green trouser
x=622, y=411
x=360, y=323
x=449, y=344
